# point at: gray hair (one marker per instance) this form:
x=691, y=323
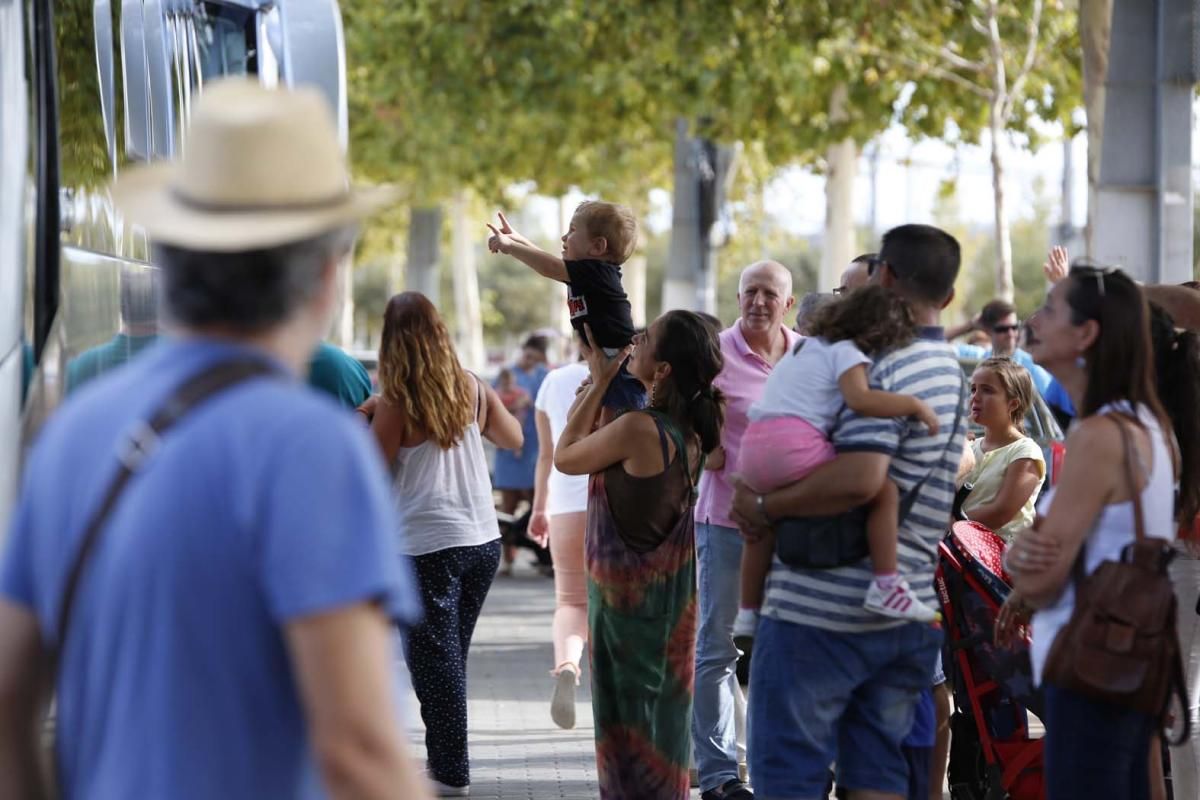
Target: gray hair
x=251, y=290
x=808, y=306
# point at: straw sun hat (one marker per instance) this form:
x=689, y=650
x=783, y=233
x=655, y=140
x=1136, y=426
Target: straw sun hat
x=260, y=167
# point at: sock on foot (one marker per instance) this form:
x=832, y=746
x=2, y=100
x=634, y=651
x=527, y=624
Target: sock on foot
x=745, y=622
x=887, y=580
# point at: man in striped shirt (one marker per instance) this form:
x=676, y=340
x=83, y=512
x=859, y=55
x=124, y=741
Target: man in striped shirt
x=832, y=681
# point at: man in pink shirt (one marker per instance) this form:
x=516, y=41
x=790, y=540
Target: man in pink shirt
x=751, y=346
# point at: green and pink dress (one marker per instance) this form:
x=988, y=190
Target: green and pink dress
x=641, y=563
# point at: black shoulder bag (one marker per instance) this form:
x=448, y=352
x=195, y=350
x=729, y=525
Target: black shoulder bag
x=841, y=539
x=140, y=444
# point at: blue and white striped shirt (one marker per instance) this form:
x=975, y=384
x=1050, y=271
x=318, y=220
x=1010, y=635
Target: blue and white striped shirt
x=833, y=599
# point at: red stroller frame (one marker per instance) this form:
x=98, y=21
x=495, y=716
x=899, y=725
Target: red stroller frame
x=992, y=754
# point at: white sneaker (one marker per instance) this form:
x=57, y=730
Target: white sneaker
x=898, y=602
x=745, y=622
x=562, y=704
x=444, y=790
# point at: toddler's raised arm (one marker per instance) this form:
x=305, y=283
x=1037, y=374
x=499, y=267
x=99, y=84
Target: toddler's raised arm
x=506, y=240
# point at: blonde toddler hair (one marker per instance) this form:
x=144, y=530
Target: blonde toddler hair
x=615, y=223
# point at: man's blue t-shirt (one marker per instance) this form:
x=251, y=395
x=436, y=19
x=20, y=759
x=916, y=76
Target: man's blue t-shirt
x=266, y=504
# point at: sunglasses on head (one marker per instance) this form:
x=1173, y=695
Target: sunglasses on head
x=1094, y=272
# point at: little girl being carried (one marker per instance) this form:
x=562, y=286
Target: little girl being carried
x=788, y=436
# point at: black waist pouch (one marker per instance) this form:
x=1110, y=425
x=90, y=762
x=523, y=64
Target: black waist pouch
x=823, y=542
x=839, y=540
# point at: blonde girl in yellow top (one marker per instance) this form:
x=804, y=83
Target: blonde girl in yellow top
x=1009, y=466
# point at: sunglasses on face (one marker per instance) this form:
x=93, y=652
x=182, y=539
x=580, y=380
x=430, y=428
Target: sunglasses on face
x=1006, y=328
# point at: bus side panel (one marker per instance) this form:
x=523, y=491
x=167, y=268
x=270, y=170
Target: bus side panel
x=14, y=180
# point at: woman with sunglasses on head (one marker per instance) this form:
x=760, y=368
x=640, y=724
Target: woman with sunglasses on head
x=1093, y=335
x=640, y=550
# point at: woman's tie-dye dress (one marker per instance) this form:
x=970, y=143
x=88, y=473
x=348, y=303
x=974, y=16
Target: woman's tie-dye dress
x=641, y=564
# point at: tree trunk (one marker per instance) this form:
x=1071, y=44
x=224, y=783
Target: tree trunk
x=841, y=161
x=839, y=245
x=560, y=315
x=424, y=250
x=341, y=331
x=683, y=256
x=1004, y=273
x=634, y=278
x=469, y=338
x=1095, y=30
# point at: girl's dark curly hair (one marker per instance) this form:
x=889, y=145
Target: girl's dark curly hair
x=874, y=318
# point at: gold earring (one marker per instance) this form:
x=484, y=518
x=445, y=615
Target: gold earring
x=653, y=389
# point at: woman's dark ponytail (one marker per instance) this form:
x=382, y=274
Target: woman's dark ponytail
x=706, y=415
x=1177, y=364
x=693, y=349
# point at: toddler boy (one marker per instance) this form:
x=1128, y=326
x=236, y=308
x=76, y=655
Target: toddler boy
x=600, y=239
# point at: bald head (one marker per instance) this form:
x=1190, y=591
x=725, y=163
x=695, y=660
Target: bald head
x=855, y=275
x=767, y=271
x=764, y=296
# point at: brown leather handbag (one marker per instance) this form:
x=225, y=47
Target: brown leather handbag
x=1121, y=645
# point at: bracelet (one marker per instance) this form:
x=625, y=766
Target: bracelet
x=762, y=507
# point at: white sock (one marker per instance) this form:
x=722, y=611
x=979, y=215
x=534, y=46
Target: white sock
x=887, y=580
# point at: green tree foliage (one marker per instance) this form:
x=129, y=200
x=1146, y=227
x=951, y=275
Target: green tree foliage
x=983, y=65
x=576, y=93
x=948, y=53
x=82, y=151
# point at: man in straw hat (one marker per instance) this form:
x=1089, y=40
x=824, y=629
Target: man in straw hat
x=225, y=632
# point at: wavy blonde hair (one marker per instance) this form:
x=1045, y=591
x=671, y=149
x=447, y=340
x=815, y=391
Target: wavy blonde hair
x=419, y=371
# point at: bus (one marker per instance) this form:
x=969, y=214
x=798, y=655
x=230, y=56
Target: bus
x=87, y=88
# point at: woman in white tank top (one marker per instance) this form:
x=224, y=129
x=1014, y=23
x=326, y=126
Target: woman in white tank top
x=430, y=420
x=1092, y=334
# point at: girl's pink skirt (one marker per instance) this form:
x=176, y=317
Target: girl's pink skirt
x=781, y=450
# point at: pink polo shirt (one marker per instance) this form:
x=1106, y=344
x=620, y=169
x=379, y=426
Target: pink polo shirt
x=742, y=380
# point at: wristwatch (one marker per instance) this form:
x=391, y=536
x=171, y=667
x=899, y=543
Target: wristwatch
x=762, y=507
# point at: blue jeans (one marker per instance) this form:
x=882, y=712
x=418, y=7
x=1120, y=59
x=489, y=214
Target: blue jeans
x=719, y=558
x=1095, y=750
x=821, y=696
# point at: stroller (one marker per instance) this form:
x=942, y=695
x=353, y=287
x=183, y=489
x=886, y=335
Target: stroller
x=992, y=755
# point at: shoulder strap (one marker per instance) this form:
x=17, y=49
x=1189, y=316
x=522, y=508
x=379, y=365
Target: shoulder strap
x=667, y=427
x=480, y=393
x=910, y=497
x=139, y=444
x=662, y=440
x=1078, y=573
x=1139, y=520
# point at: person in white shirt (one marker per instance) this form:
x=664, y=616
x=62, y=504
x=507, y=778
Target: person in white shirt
x=559, y=517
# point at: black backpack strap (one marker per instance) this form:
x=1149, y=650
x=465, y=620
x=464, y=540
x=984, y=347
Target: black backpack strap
x=138, y=445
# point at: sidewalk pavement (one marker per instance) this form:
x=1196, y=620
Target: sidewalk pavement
x=517, y=752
